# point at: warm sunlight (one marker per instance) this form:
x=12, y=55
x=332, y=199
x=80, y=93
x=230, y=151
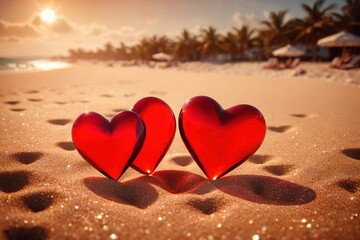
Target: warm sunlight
x=48, y=15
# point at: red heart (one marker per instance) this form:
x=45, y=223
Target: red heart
x=220, y=140
x=109, y=145
x=160, y=127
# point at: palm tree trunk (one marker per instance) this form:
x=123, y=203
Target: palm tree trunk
x=314, y=53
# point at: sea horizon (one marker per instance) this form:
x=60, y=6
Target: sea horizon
x=30, y=64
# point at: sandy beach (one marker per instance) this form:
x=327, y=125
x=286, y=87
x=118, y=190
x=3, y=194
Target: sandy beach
x=303, y=182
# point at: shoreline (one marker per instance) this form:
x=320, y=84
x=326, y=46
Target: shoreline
x=313, y=71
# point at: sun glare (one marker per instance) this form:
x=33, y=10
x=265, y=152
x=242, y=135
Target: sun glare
x=48, y=15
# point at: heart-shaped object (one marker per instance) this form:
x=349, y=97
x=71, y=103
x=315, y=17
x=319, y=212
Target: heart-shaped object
x=160, y=127
x=109, y=145
x=220, y=140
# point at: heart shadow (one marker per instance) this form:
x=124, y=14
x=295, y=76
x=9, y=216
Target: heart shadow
x=140, y=193
x=265, y=190
x=136, y=192
x=180, y=182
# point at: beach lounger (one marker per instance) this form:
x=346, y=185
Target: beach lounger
x=295, y=63
x=273, y=63
x=353, y=63
x=336, y=62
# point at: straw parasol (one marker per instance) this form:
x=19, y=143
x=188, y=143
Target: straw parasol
x=162, y=56
x=341, y=39
x=288, y=51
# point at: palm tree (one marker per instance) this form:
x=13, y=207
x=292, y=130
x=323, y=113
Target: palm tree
x=244, y=38
x=317, y=24
x=349, y=20
x=141, y=49
x=78, y=53
x=186, y=46
x=230, y=45
x=122, y=52
x=277, y=27
x=109, y=52
x=147, y=47
x=163, y=44
x=263, y=42
x=211, y=43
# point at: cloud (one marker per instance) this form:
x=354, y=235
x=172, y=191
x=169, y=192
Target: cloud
x=96, y=30
x=126, y=34
x=65, y=34
x=19, y=30
x=61, y=25
x=246, y=20
x=266, y=14
x=13, y=39
x=195, y=30
x=10, y=39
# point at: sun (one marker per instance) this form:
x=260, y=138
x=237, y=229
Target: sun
x=48, y=15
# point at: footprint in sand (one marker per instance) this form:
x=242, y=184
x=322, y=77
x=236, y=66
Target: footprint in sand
x=68, y=146
x=182, y=160
x=34, y=233
x=12, y=102
x=60, y=102
x=125, y=81
x=59, y=121
x=353, y=153
x=27, y=157
x=39, y=201
x=107, y=95
x=260, y=159
x=349, y=185
x=282, y=129
x=32, y=92
x=17, y=109
x=13, y=181
x=304, y=115
x=35, y=99
x=129, y=94
x=160, y=93
x=207, y=206
x=279, y=170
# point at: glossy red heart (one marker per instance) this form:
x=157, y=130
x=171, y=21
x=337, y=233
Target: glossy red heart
x=109, y=145
x=220, y=140
x=160, y=127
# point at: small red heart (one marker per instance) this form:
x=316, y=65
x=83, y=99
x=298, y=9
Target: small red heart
x=109, y=145
x=220, y=140
x=160, y=127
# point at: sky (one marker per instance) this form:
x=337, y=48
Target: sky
x=91, y=23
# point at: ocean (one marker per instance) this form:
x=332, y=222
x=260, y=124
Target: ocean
x=14, y=65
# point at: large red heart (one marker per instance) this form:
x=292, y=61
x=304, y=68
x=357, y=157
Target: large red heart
x=109, y=145
x=160, y=127
x=220, y=140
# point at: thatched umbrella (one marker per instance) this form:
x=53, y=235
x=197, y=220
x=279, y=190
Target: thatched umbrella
x=162, y=56
x=288, y=51
x=341, y=39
